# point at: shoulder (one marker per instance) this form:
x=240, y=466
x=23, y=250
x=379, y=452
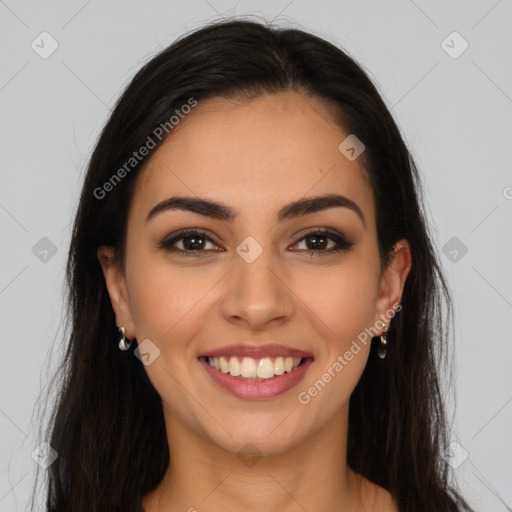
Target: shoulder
x=374, y=497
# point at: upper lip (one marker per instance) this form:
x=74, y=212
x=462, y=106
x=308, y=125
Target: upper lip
x=256, y=351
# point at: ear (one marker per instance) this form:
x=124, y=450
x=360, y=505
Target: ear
x=116, y=285
x=392, y=281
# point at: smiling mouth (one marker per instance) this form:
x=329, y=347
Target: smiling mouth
x=250, y=369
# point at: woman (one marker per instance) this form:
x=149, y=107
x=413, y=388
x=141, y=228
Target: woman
x=251, y=226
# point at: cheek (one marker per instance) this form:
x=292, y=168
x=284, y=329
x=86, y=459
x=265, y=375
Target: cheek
x=343, y=302
x=167, y=309
x=342, y=298
x=162, y=296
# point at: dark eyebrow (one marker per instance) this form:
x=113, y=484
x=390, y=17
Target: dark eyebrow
x=220, y=211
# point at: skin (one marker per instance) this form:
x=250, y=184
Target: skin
x=256, y=157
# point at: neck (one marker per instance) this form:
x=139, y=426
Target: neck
x=313, y=475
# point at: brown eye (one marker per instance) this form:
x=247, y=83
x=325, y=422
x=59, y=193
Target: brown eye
x=193, y=242
x=187, y=241
x=317, y=242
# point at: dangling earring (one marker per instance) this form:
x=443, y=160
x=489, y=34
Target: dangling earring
x=123, y=345
x=381, y=351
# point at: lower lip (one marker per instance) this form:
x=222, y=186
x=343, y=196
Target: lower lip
x=254, y=389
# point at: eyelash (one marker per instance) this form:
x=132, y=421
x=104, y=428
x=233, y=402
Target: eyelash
x=342, y=243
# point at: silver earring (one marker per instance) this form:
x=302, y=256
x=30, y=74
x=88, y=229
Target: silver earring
x=381, y=351
x=123, y=345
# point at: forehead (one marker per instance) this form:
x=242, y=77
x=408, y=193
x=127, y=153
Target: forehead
x=254, y=155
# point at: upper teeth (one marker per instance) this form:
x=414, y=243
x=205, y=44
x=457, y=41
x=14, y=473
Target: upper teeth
x=263, y=368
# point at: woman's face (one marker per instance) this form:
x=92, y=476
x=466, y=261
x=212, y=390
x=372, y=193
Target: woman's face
x=249, y=281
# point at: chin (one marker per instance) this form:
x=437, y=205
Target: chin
x=266, y=436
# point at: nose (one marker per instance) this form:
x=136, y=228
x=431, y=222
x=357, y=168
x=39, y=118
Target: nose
x=258, y=295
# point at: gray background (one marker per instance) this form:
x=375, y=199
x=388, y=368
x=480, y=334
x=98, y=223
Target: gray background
x=455, y=114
